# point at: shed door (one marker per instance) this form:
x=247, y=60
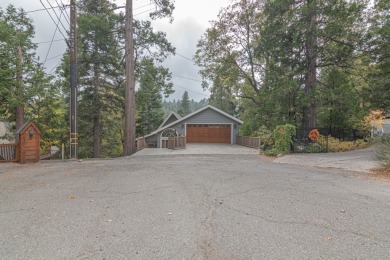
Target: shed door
x=208, y=133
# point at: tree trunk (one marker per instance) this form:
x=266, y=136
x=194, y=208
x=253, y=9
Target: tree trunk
x=309, y=111
x=96, y=102
x=129, y=142
x=19, y=90
x=96, y=136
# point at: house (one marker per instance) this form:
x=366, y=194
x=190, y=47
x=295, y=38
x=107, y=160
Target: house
x=206, y=125
x=384, y=128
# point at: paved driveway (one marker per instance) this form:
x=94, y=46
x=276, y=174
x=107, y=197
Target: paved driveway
x=191, y=207
x=200, y=149
x=359, y=160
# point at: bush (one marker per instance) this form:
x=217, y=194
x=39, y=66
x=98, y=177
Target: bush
x=383, y=152
x=265, y=137
x=335, y=145
x=282, y=138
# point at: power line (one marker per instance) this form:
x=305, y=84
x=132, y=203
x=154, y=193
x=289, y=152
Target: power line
x=186, y=78
x=52, y=18
x=184, y=57
x=43, y=9
x=47, y=54
x=63, y=10
x=55, y=57
x=53, y=69
x=56, y=40
x=190, y=90
x=57, y=15
x=144, y=12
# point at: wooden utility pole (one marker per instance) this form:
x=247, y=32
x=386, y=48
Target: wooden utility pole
x=19, y=90
x=129, y=142
x=73, y=82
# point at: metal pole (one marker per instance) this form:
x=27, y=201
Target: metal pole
x=73, y=82
x=19, y=90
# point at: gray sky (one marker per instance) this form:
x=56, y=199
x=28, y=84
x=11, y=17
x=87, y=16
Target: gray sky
x=191, y=19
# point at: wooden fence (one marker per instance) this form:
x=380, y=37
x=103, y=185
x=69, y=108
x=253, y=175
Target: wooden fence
x=177, y=142
x=9, y=152
x=249, y=141
x=141, y=143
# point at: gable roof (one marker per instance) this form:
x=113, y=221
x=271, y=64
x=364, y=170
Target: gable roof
x=27, y=124
x=192, y=114
x=173, y=114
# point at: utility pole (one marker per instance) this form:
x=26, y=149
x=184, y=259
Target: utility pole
x=19, y=91
x=129, y=142
x=73, y=82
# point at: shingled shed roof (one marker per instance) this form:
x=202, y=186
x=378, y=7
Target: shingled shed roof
x=25, y=126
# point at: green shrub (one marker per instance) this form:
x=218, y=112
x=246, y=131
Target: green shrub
x=335, y=145
x=282, y=138
x=382, y=148
x=265, y=137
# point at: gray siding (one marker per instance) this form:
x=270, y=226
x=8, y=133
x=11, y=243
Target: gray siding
x=171, y=119
x=152, y=140
x=207, y=116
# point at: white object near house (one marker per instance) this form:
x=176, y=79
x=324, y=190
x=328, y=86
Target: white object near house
x=384, y=129
x=6, y=136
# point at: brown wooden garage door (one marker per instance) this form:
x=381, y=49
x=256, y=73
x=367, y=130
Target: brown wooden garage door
x=202, y=133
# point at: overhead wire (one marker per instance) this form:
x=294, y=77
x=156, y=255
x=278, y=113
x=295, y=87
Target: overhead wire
x=64, y=10
x=52, y=19
x=186, y=78
x=52, y=39
x=56, y=40
x=184, y=57
x=42, y=9
x=62, y=6
x=65, y=28
x=190, y=90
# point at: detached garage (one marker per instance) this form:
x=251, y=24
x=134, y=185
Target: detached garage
x=208, y=133
x=206, y=125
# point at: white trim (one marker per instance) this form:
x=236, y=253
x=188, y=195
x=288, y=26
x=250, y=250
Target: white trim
x=161, y=137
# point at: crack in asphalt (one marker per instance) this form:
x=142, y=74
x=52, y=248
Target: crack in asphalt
x=303, y=223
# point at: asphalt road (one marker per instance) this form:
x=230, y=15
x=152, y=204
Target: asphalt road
x=191, y=207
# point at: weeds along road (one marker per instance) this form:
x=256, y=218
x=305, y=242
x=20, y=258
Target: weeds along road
x=191, y=207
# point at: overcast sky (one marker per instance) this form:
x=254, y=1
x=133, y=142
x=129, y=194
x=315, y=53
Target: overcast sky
x=191, y=19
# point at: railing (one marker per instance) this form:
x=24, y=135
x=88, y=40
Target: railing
x=303, y=144
x=141, y=143
x=176, y=142
x=9, y=152
x=249, y=141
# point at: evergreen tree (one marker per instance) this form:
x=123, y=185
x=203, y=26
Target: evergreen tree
x=99, y=74
x=378, y=92
x=184, y=108
x=149, y=107
x=19, y=67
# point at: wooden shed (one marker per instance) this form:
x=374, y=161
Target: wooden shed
x=28, y=137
